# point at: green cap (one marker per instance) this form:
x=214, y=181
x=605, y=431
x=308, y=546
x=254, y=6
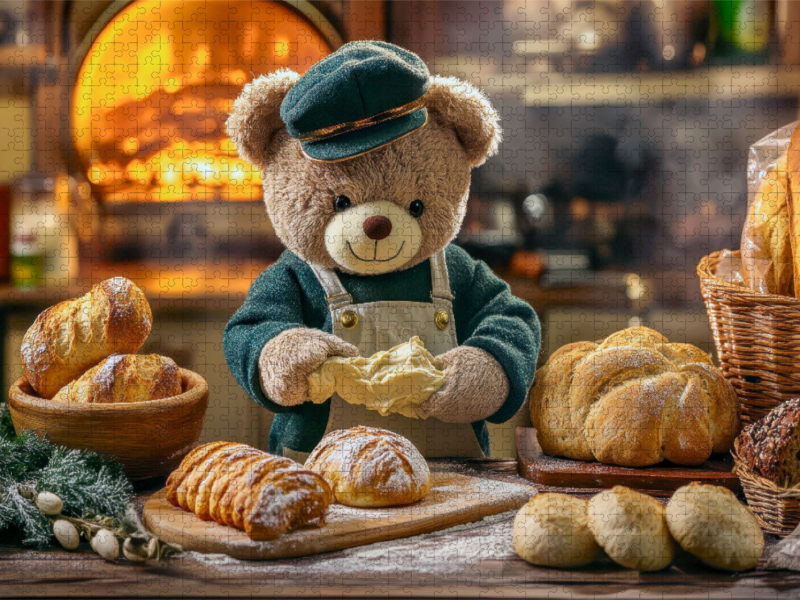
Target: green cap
x=363, y=96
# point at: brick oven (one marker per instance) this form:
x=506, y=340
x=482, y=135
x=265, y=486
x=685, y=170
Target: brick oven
x=149, y=84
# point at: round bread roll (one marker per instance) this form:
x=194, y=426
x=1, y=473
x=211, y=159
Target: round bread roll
x=552, y=530
x=631, y=528
x=369, y=467
x=710, y=523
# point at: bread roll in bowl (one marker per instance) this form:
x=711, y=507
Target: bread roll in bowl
x=68, y=338
x=371, y=467
x=125, y=378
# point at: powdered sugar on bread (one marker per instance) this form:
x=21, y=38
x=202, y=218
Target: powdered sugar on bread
x=265, y=497
x=370, y=467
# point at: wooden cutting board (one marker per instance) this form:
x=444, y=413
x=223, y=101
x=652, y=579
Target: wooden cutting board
x=564, y=474
x=453, y=500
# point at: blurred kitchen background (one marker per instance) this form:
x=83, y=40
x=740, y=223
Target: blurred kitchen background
x=626, y=131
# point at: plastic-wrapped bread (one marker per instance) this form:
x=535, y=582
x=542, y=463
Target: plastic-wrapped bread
x=248, y=489
x=125, y=378
x=68, y=338
x=793, y=172
x=766, y=246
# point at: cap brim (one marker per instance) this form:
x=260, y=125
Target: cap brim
x=361, y=141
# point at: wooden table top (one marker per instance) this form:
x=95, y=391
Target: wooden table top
x=469, y=561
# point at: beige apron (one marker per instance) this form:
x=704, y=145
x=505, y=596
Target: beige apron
x=376, y=326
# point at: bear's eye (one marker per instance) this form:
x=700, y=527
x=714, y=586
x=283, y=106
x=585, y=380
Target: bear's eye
x=415, y=208
x=341, y=203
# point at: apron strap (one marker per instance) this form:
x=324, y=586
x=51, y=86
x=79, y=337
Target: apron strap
x=336, y=294
x=440, y=288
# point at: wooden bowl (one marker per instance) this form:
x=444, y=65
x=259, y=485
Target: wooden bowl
x=148, y=438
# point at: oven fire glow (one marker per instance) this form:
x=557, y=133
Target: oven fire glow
x=172, y=70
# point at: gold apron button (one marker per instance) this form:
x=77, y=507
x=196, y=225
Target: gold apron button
x=442, y=319
x=349, y=319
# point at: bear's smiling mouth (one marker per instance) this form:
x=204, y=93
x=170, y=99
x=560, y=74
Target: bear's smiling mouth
x=349, y=247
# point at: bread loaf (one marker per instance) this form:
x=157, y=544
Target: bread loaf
x=634, y=400
x=369, y=467
x=766, y=247
x=631, y=528
x=125, y=378
x=771, y=446
x=793, y=203
x=710, y=523
x=68, y=338
x=248, y=489
x=552, y=530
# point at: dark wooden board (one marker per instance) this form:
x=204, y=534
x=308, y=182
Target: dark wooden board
x=577, y=476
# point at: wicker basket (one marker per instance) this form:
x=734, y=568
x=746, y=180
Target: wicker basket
x=777, y=509
x=758, y=341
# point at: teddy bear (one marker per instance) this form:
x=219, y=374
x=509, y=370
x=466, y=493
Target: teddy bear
x=366, y=162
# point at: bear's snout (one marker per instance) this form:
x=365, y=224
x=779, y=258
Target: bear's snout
x=377, y=227
x=373, y=237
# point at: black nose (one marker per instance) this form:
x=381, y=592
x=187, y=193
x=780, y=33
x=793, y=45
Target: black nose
x=377, y=227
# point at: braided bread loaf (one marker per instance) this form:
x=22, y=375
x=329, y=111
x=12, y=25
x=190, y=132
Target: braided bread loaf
x=633, y=400
x=370, y=467
x=249, y=489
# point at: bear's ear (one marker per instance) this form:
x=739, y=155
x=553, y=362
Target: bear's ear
x=468, y=111
x=256, y=114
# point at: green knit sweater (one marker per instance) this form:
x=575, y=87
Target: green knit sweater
x=288, y=295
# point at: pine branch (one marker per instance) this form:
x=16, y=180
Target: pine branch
x=86, y=483
x=22, y=514
x=6, y=424
x=23, y=456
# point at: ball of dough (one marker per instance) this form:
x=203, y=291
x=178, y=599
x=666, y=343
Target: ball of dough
x=631, y=528
x=710, y=523
x=552, y=531
x=371, y=467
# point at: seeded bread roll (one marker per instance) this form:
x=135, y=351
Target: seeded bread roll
x=631, y=528
x=248, y=489
x=771, y=446
x=369, y=467
x=710, y=523
x=68, y=338
x=125, y=378
x=552, y=530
